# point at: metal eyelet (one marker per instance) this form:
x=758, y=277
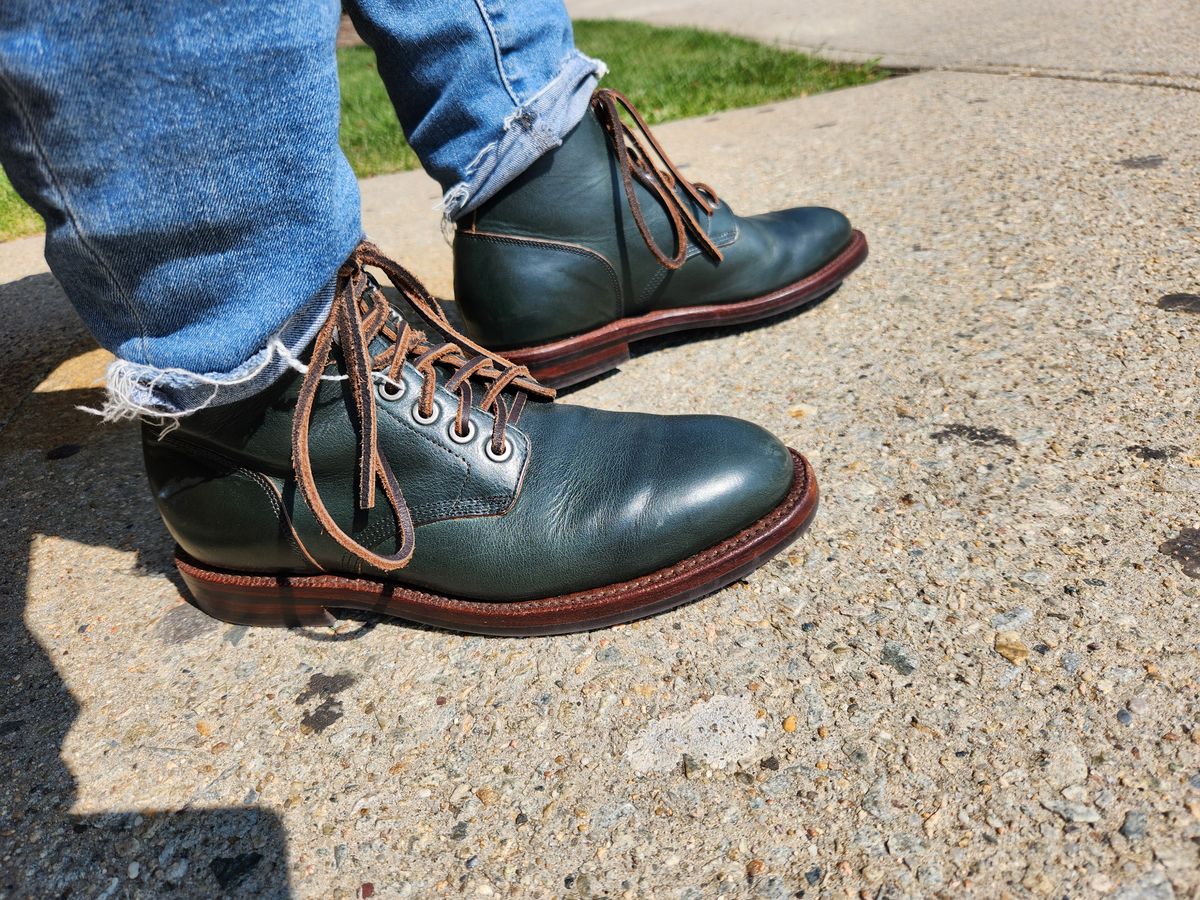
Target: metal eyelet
x=503, y=456
x=390, y=391
x=461, y=438
x=433, y=416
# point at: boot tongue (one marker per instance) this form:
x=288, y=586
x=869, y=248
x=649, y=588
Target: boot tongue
x=406, y=312
x=412, y=316
x=407, y=315
x=403, y=313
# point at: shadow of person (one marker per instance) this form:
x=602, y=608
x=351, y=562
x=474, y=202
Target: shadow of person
x=65, y=477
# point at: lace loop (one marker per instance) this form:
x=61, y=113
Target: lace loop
x=635, y=160
x=360, y=314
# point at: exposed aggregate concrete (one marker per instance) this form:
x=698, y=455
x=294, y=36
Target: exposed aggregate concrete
x=1002, y=410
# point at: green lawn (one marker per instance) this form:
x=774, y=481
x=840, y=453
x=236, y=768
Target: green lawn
x=674, y=73
x=16, y=218
x=668, y=73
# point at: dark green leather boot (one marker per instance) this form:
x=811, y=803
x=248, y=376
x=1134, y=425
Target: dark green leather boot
x=426, y=478
x=597, y=245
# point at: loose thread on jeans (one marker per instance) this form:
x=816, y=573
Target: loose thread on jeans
x=125, y=389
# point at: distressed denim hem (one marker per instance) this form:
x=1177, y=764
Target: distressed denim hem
x=532, y=129
x=136, y=390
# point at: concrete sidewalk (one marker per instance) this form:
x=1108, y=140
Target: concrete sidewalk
x=978, y=675
x=1149, y=42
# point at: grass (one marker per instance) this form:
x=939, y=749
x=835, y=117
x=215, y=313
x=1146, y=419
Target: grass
x=370, y=134
x=16, y=219
x=668, y=73
x=675, y=73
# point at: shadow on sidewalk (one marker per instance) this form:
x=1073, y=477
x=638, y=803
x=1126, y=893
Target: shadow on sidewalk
x=65, y=477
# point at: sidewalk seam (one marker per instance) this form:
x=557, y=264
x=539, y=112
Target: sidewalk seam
x=1181, y=82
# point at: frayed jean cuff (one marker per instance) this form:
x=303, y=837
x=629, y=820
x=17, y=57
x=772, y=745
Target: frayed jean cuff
x=530, y=131
x=136, y=390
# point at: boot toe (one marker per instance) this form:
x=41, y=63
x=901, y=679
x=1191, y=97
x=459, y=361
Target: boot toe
x=727, y=474
x=812, y=235
x=609, y=497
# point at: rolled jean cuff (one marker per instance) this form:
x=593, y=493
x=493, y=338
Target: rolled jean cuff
x=531, y=130
x=136, y=390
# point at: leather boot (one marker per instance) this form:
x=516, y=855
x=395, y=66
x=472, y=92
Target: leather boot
x=418, y=475
x=602, y=241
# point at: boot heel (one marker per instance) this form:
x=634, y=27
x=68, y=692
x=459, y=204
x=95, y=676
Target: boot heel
x=582, y=366
x=221, y=597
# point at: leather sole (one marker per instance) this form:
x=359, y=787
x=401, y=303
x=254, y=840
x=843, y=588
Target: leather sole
x=291, y=600
x=571, y=360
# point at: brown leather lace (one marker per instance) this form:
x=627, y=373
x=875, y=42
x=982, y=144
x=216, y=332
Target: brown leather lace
x=634, y=159
x=360, y=314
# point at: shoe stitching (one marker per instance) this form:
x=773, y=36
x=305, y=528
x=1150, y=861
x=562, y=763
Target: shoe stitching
x=542, y=243
x=274, y=498
x=782, y=511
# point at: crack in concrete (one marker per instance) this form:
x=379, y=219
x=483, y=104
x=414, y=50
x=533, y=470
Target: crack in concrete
x=1134, y=78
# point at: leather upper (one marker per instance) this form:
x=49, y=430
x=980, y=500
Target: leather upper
x=586, y=498
x=557, y=252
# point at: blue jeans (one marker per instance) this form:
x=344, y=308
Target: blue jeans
x=184, y=156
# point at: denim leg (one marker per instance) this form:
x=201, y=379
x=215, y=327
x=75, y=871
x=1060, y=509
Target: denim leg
x=482, y=88
x=184, y=156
